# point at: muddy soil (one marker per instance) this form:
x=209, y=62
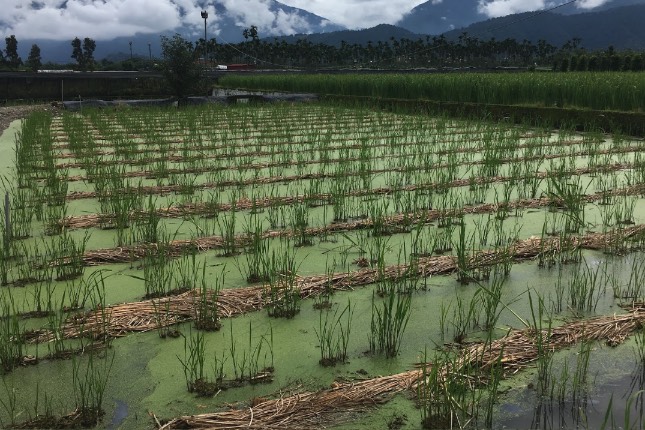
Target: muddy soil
x=8, y=114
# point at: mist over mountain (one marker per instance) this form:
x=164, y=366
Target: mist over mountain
x=436, y=17
x=277, y=20
x=226, y=25
x=620, y=27
x=616, y=22
x=572, y=10
x=379, y=33
x=440, y=16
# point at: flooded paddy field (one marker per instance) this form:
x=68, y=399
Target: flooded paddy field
x=309, y=265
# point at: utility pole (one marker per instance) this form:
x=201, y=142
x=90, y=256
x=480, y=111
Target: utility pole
x=205, y=16
x=150, y=51
x=130, y=50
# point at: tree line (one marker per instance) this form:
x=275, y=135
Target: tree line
x=10, y=60
x=608, y=60
x=428, y=52
x=82, y=52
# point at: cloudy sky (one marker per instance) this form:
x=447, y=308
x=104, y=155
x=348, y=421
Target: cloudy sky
x=352, y=12
x=106, y=19
x=506, y=7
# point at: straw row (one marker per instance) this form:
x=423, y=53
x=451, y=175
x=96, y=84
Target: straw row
x=119, y=320
x=100, y=142
x=177, y=247
x=207, y=128
x=174, y=157
x=94, y=220
x=515, y=351
x=167, y=189
x=241, y=153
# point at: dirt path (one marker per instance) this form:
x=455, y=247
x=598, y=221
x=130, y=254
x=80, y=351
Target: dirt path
x=8, y=114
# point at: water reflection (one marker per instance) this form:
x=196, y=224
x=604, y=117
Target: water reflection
x=615, y=404
x=550, y=414
x=634, y=397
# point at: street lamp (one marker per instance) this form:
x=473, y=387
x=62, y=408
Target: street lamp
x=130, y=50
x=205, y=16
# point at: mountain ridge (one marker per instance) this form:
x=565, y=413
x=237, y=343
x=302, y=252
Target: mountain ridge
x=619, y=27
x=229, y=31
x=440, y=16
x=616, y=23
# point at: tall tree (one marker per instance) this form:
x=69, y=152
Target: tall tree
x=77, y=53
x=210, y=48
x=34, y=61
x=89, y=45
x=251, y=32
x=11, y=52
x=180, y=68
x=84, y=53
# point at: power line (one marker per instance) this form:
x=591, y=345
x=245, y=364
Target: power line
x=284, y=66
x=533, y=15
x=430, y=48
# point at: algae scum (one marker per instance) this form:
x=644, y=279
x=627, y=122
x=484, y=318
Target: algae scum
x=309, y=265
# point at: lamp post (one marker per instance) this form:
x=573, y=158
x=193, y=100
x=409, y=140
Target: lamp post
x=205, y=16
x=130, y=50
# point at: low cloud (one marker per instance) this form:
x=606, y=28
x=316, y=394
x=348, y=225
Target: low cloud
x=107, y=19
x=60, y=20
x=356, y=14
x=258, y=13
x=497, y=8
x=590, y=4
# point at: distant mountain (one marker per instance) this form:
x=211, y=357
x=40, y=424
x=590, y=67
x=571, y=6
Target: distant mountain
x=621, y=27
x=285, y=20
x=618, y=23
x=436, y=17
x=379, y=33
x=440, y=16
x=573, y=9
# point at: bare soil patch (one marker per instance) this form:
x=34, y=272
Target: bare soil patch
x=8, y=114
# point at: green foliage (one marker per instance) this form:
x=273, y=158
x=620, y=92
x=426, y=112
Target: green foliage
x=333, y=335
x=180, y=68
x=34, y=61
x=614, y=91
x=194, y=366
x=389, y=320
x=84, y=53
x=12, y=58
x=12, y=346
x=282, y=294
x=89, y=381
x=129, y=64
x=207, y=50
x=251, y=32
